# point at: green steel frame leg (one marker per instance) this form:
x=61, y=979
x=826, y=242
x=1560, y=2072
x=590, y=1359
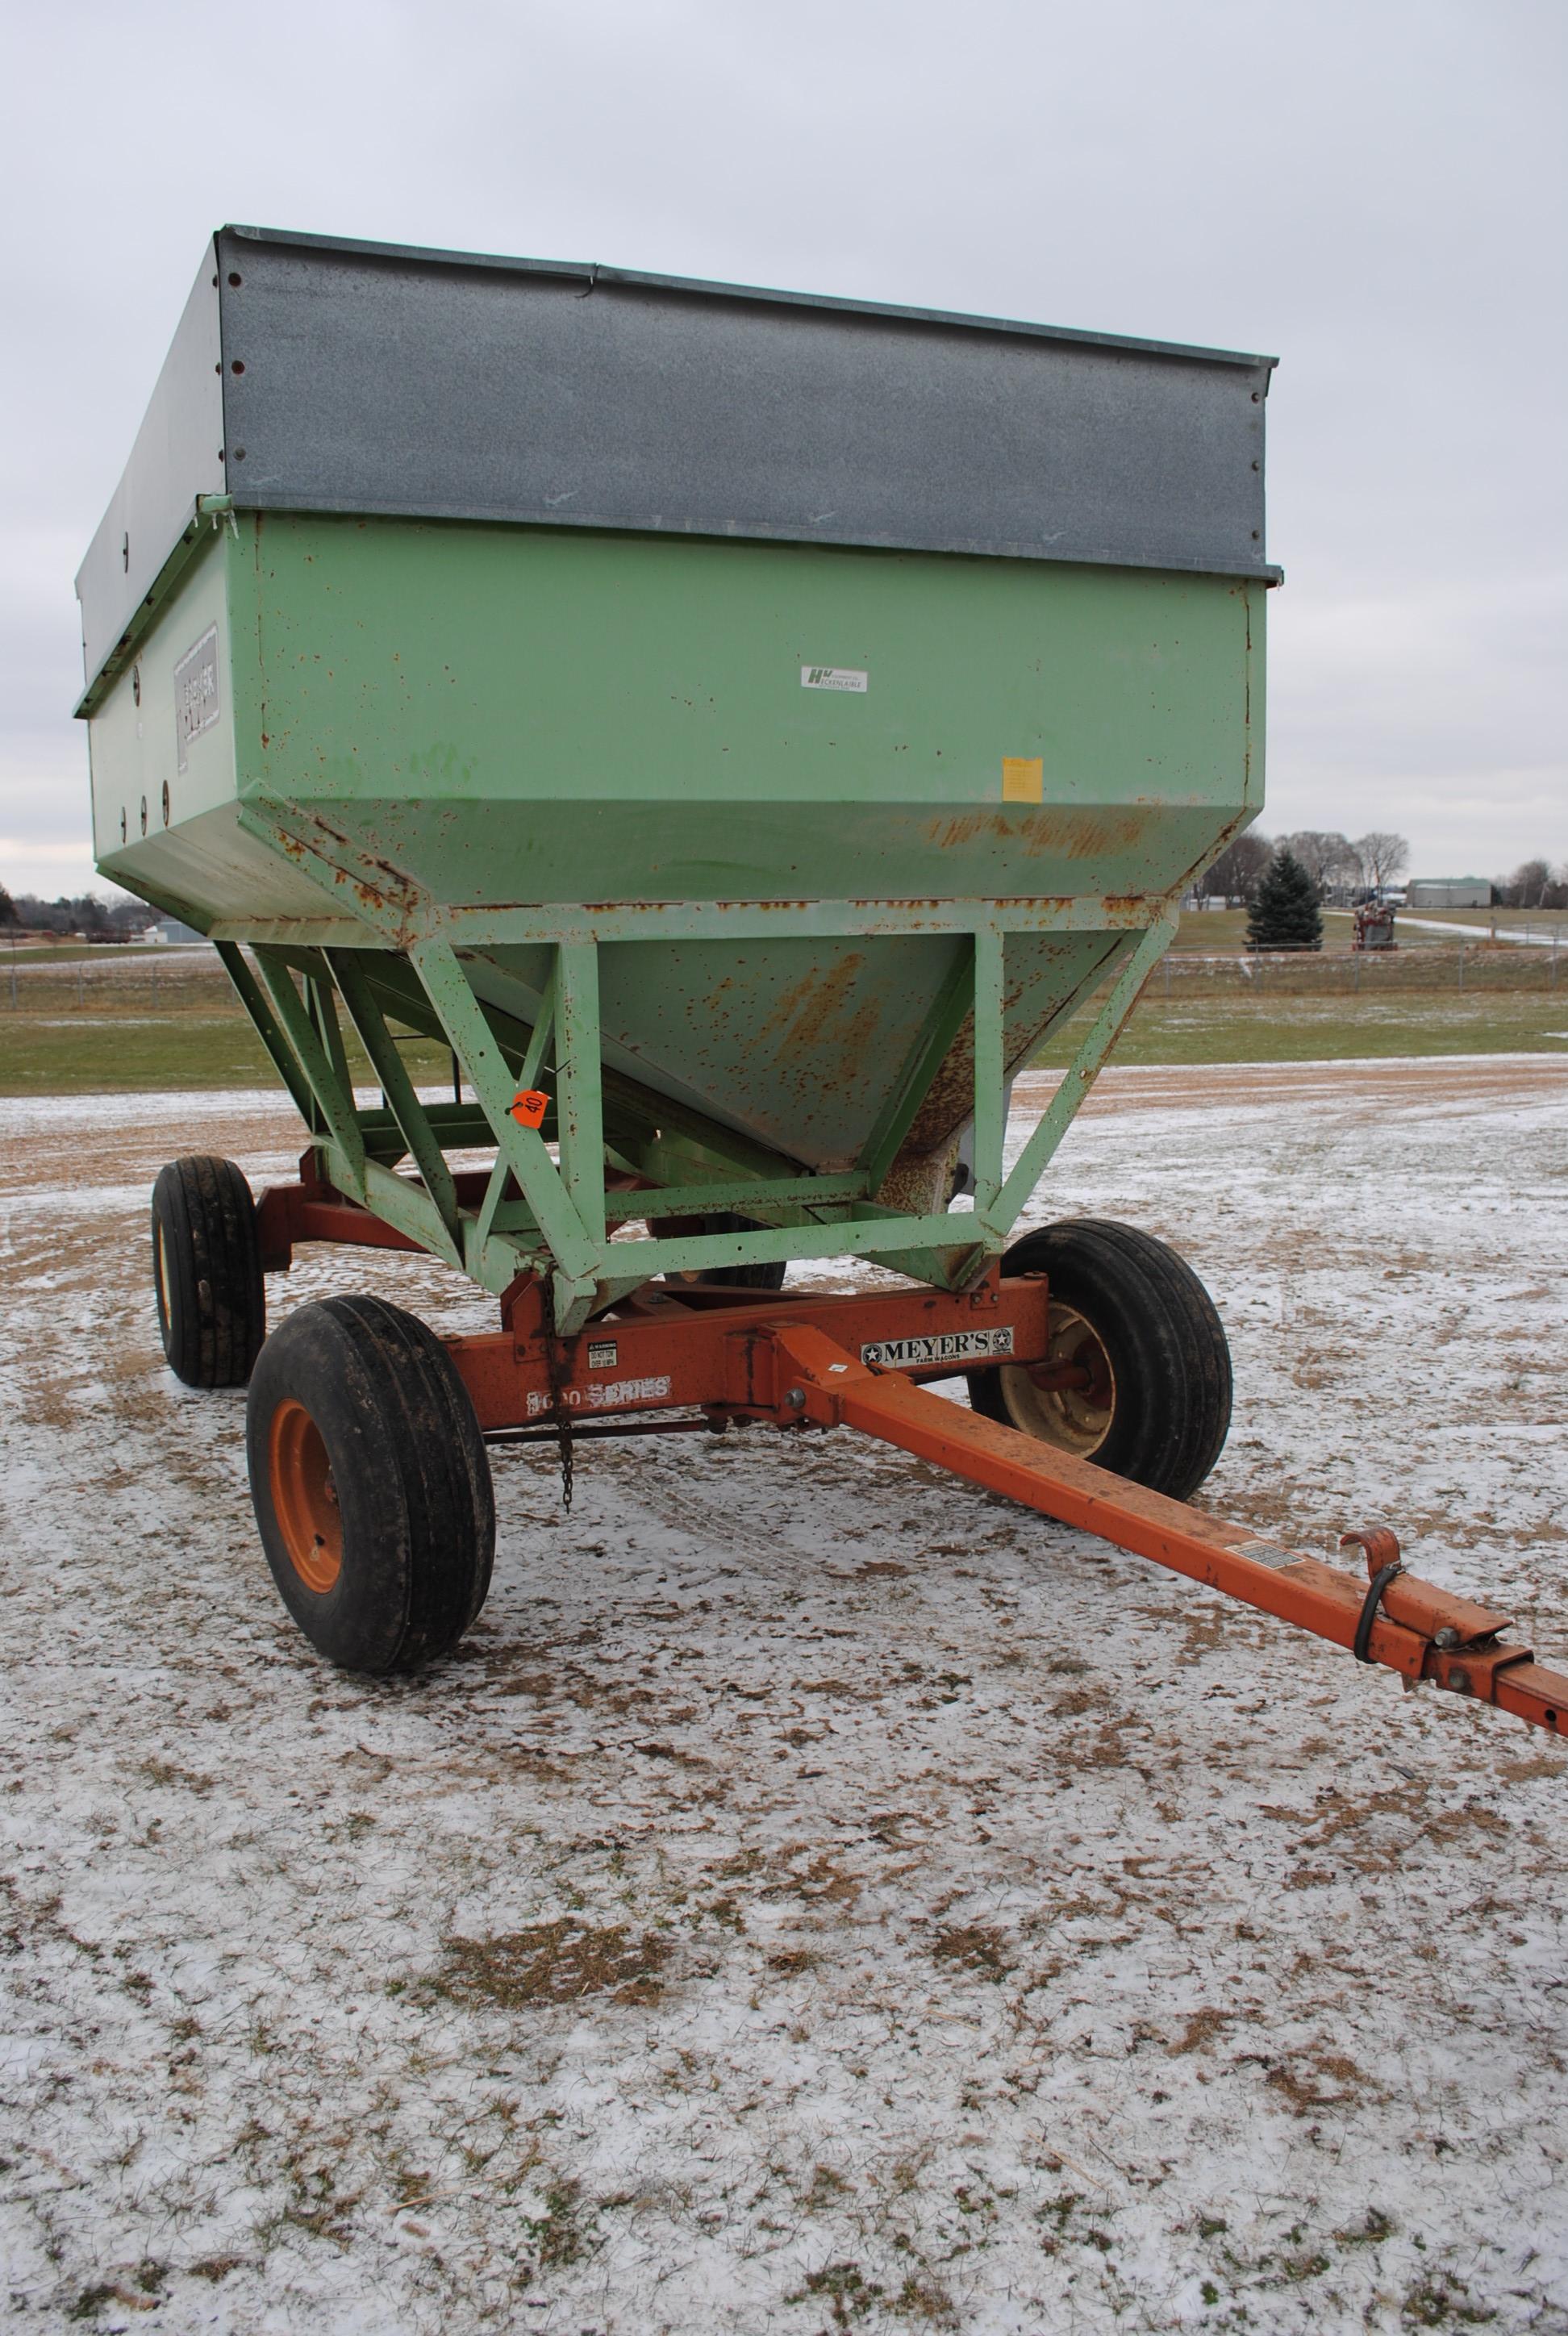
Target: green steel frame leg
x=991, y=1070
x=332, y=1096
x=528, y=1076
x=1140, y=956
x=577, y=1256
x=413, y=1126
x=580, y=1115
x=266, y=1024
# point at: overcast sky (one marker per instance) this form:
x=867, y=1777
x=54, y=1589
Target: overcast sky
x=1371, y=190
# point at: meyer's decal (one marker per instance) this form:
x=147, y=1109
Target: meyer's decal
x=946, y=1346
x=196, y=704
x=613, y=1393
x=834, y=676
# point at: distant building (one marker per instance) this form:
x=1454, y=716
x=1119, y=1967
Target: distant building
x=1448, y=892
x=169, y=928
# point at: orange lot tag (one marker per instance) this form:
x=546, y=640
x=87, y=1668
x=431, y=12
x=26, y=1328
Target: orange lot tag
x=528, y=1107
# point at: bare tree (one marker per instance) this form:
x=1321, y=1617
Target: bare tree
x=1236, y=875
x=1329, y=859
x=1383, y=856
x=1529, y=884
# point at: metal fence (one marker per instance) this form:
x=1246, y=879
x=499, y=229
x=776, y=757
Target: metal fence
x=192, y=982
x=1306, y=973
x=187, y=981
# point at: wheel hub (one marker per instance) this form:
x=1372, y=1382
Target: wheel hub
x=1069, y=1396
x=304, y=1497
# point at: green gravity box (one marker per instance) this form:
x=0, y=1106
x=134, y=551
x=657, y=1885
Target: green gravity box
x=751, y=721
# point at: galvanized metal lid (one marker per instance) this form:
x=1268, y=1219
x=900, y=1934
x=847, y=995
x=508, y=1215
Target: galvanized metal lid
x=312, y=374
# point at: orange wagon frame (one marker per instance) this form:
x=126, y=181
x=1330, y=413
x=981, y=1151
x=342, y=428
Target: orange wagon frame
x=696, y=1357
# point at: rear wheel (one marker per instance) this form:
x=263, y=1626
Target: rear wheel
x=1137, y=1376
x=740, y=1277
x=207, y=1272
x=371, y=1484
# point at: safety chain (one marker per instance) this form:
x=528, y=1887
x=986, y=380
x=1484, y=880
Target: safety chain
x=1385, y=1564
x=559, y=1411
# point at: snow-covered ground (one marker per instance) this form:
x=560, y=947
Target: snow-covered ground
x=819, y=1897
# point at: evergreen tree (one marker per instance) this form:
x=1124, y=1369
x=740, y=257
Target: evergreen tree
x=1285, y=913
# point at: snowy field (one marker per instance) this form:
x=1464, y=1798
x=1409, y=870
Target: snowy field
x=818, y=1897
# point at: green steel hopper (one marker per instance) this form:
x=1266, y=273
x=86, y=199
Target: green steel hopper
x=741, y=728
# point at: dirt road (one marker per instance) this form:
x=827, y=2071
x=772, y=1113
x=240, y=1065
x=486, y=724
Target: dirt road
x=818, y=1897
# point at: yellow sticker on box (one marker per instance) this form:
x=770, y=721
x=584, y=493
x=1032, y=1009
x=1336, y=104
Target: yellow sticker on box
x=1023, y=778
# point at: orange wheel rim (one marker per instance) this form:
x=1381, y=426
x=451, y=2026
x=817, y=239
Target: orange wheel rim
x=304, y=1499
x=1068, y=1399
x=163, y=1263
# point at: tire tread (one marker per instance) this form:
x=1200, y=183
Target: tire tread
x=213, y=1249
x=381, y=1382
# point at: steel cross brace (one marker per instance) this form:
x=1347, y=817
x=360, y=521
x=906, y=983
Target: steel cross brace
x=998, y=1204
x=1413, y=1628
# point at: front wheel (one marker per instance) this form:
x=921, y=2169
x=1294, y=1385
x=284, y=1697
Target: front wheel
x=371, y=1484
x=1137, y=1376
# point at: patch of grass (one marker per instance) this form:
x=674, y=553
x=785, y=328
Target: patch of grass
x=122, y=1054
x=790, y=1962
x=826, y=2186
x=559, y=2234
x=182, y=1051
x=554, y=1962
x=1369, y=2234
x=1234, y=1029
x=1208, y=930
x=68, y=952
x=167, y=1772
x=90, y=2301
x=922, y=2299
x=1507, y=920
x=848, y=2294
x=1056, y=2214
x=191, y=1035
x=975, y=1947
x=1436, y=2302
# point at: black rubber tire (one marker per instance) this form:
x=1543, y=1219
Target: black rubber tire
x=740, y=1277
x=409, y=1475
x=1170, y=1407
x=207, y=1279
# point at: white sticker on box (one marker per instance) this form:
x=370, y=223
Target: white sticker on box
x=196, y=702
x=834, y=676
